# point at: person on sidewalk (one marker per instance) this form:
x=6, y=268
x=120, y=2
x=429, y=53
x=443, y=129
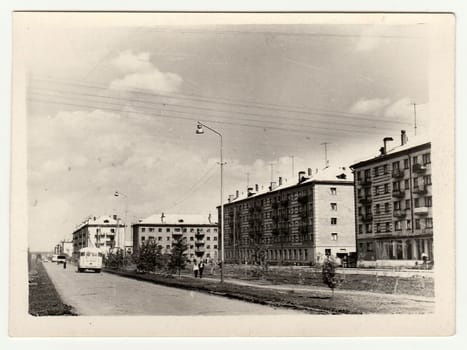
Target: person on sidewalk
x=195, y=268
x=201, y=268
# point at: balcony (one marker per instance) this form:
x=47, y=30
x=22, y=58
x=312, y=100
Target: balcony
x=421, y=211
x=366, y=217
x=419, y=168
x=397, y=173
x=364, y=200
x=398, y=193
x=420, y=190
x=199, y=234
x=199, y=251
x=427, y=231
x=199, y=243
x=177, y=234
x=366, y=181
x=399, y=213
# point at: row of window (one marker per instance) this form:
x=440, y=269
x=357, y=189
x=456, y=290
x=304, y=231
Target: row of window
x=168, y=238
x=384, y=169
x=168, y=246
x=176, y=229
x=368, y=228
x=396, y=186
x=418, y=203
x=271, y=254
x=292, y=238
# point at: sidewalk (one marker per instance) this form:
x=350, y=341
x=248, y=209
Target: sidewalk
x=311, y=289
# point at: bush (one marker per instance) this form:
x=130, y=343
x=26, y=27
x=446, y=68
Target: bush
x=149, y=258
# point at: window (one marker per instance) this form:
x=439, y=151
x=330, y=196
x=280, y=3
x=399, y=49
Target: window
x=208, y=230
x=429, y=222
x=386, y=207
x=333, y=191
x=409, y=224
x=327, y=252
x=388, y=227
x=167, y=247
x=386, y=188
x=143, y=229
x=378, y=227
x=334, y=236
x=215, y=238
x=377, y=208
x=427, y=180
x=406, y=163
x=415, y=159
x=376, y=190
x=426, y=159
x=395, y=166
x=359, y=175
x=369, y=228
x=112, y=230
x=369, y=246
x=417, y=203
x=159, y=229
x=415, y=182
x=397, y=205
x=417, y=224
x=360, y=228
x=334, y=206
x=191, y=238
x=192, y=230
x=215, y=246
x=208, y=247
x=208, y=238
x=397, y=225
x=184, y=230
x=168, y=238
x=177, y=229
x=407, y=204
x=406, y=184
x=191, y=246
x=143, y=238
x=167, y=229
x=158, y=238
x=333, y=221
x=385, y=169
x=396, y=186
x=428, y=201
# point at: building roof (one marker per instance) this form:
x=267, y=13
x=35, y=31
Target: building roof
x=100, y=220
x=178, y=219
x=416, y=141
x=328, y=174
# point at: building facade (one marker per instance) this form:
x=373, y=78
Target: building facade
x=99, y=232
x=393, y=201
x=199, y=233
x=66, y=248
x=292, y=224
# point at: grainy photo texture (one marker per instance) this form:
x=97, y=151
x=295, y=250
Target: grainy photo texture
x=234, y=167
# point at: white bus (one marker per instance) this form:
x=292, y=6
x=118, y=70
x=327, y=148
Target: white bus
x=90, y=259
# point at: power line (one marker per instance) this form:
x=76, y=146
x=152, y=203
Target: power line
x=236, y=102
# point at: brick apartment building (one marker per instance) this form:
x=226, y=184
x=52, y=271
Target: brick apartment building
x=295, y=223
x=393, y=201
x=199, y=232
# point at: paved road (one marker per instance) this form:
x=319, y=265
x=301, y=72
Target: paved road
x=108, y=294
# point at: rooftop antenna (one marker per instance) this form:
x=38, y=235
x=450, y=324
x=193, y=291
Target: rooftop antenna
x=326, y=161
x=414, y=118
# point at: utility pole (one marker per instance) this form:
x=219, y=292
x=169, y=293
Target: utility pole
x=326, y=162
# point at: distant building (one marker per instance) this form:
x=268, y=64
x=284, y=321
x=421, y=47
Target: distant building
x=99, y=232
x=294, y=223
x=199, y=232
x=393, y=201
x=66, y=248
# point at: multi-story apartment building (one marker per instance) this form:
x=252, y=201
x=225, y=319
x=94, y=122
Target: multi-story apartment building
x=394, y=222
x=198, y=231
x=295, y=223
x=100, y=232
x=66, y=248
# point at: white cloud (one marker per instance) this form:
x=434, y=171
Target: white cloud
x=140, y=73
x=370, y=106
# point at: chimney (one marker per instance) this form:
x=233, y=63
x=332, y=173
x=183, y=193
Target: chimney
x=273, y=186
x=231, y=197
x=209, y=217
x=386, y=140
x=256, y=188
x=250, y=191
x=403, y=138
x=301, y=175
x=114, y=217
x=280, y=180
x=94, y=218
x=236, y=194
x=162, y=217
x=309, y=171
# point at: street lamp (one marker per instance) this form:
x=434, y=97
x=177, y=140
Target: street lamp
x=121, y=242
x=199, y=131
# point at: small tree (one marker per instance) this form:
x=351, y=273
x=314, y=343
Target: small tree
x=329, y=274
x=148, y=257
x=178, y=259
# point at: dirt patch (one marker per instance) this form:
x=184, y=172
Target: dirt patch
x=43, y=297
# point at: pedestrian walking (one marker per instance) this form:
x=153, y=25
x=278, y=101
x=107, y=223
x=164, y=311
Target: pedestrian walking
x=201, y=269
x=64, y=264
x=195, y=268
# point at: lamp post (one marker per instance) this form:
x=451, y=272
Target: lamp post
x=121, y=242
x=200, y=130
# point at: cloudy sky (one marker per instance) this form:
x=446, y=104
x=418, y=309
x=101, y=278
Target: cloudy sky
x=114, y=107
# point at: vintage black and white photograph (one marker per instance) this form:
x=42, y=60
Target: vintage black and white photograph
x=243, y=164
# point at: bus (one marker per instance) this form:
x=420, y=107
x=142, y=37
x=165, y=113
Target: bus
x=90, y=259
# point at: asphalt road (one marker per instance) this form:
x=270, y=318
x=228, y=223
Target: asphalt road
x=107, y=294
